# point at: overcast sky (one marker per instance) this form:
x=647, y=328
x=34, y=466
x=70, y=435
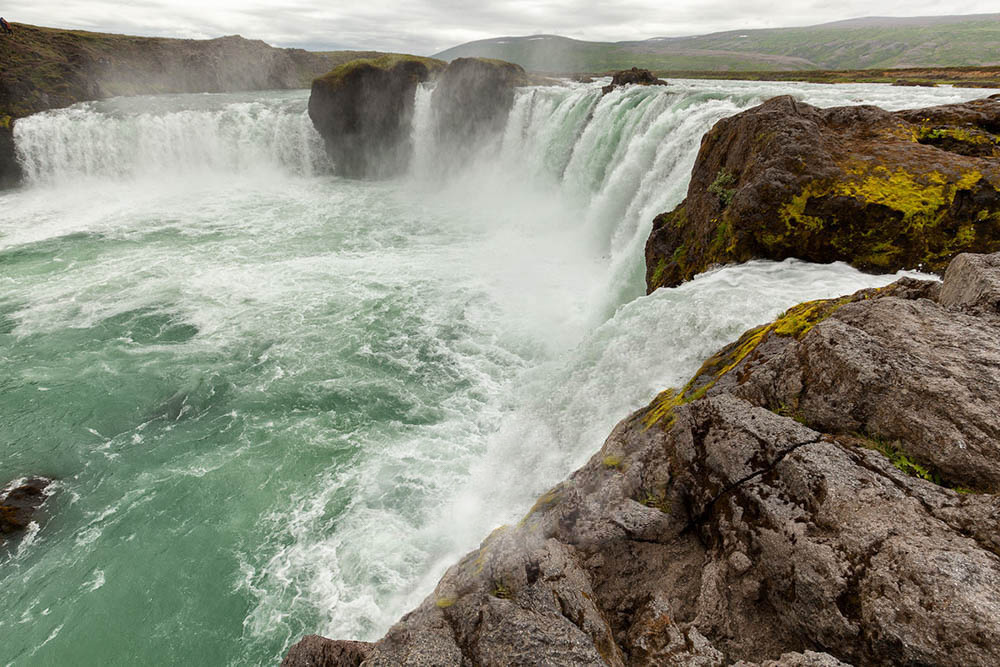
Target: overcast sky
x=427, y=26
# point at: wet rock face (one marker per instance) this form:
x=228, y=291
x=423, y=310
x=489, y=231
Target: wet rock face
x=316, y=651
x=473, y=98
x=882, y=191
x=10, y=170
x=819, y=494
x=18, y=504
x=363, y=111
x=630, y=77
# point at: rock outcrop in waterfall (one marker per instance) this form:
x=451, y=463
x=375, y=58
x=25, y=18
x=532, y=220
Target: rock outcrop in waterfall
x=45, y=68
x=364, y=109
x=880, y=190
x=822, y=492
x=473, y=98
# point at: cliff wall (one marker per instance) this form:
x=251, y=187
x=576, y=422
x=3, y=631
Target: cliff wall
x=45, y=68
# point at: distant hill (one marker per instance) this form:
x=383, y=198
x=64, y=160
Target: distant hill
x=872, y=42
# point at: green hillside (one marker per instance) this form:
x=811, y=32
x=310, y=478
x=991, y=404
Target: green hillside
x=942, y=41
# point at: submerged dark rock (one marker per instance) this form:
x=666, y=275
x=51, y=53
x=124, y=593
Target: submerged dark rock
x=363, y=111
x=822, y=492
x=632, y=77
x=473, y=98
x=19, y=504
x=880, y=190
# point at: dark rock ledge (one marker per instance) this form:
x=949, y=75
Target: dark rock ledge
x=822, y=492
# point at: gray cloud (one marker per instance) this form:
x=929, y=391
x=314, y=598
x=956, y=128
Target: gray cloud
x=429, y=26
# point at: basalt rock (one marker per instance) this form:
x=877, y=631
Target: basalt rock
x=363, y=111
x=820, y=494
x=882, y=191
x=18, y=504
x=316, y=651
x=473, y=98
x=10, y=170
x=632, y=77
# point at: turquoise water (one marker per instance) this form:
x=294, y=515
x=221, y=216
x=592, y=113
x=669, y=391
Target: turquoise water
x=275, y=402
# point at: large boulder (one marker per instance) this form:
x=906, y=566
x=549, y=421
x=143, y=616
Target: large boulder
x=473, y=98
x=363, y=110
x=882, y=191
x=818, y=494
x=632, y=77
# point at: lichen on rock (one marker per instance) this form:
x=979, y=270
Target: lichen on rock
x=880, y=190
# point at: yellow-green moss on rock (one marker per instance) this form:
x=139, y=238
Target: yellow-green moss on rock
x=881, y=191
x=342, y=73
x=795, y=322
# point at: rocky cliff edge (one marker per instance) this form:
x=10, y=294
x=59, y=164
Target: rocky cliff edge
x=880, y=190
x=822, y=492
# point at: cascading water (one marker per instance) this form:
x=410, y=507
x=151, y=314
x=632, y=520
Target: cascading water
x=276, y=402
x=127, y=138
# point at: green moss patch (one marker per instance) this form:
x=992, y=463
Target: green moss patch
x=545, y=502
x=723, y=187
x=386, y=63
x=614, y=462
x=910, y=465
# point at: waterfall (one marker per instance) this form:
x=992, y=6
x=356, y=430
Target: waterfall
x=619, y=159
x=422, y=134
x=99, y=140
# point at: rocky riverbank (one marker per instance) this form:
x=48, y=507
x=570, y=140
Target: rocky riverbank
x=822, y=492
x=45, y=68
